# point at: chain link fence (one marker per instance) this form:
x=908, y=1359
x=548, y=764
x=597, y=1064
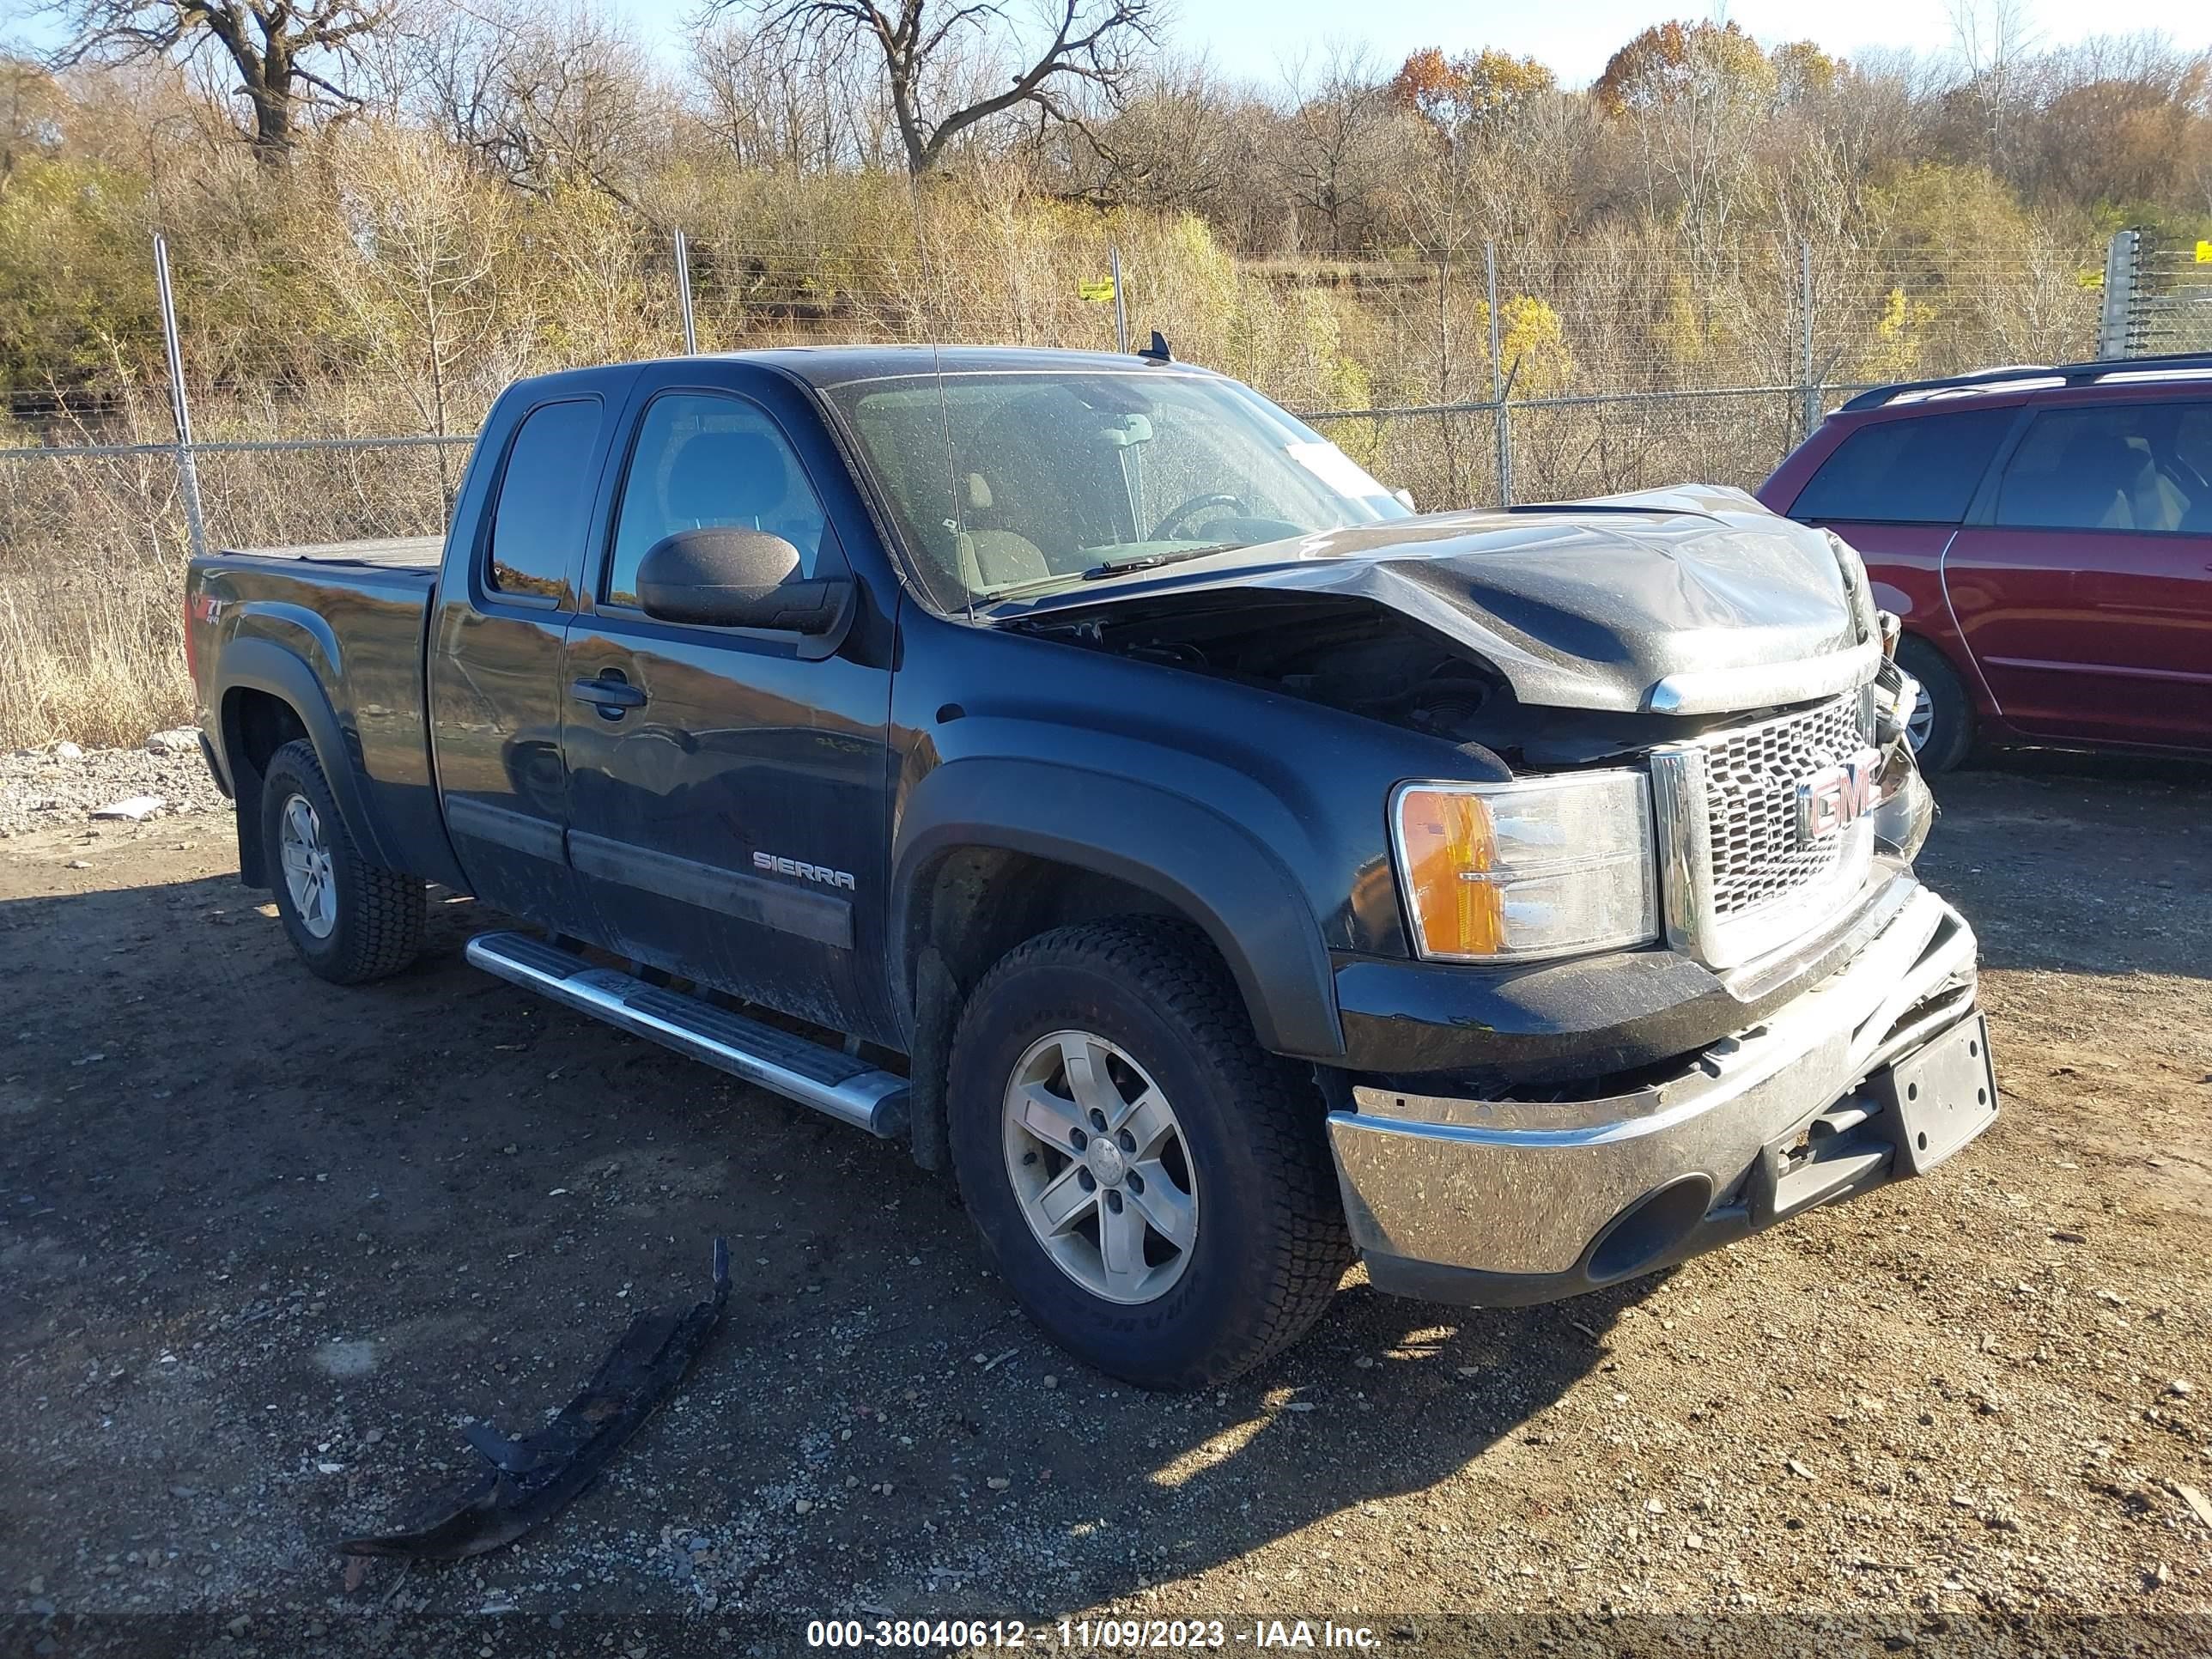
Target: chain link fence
x=2160, y=296
x=1495, y=373
x=1556, y=384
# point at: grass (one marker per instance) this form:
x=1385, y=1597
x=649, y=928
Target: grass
x=93, y=554
x=101, y=663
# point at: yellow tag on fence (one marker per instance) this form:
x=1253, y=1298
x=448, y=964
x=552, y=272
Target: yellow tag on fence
x=1102, y=293
x=2205, y=253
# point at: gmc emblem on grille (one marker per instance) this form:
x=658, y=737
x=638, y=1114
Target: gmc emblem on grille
x=1832, y=797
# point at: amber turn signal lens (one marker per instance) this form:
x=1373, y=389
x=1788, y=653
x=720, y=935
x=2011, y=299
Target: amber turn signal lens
x=1525, y=867
x=1448, y=849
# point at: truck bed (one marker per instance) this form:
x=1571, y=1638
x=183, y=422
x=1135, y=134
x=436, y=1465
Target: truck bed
x=336, y=631
x=384, y=552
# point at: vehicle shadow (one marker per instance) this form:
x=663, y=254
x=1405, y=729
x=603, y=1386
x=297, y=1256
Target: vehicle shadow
x=1386, y=1399
x=2094, y=765
x=360, y=1216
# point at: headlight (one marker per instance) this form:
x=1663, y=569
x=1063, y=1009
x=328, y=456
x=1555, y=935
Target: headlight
x=1537, y=867
x=1896, y=693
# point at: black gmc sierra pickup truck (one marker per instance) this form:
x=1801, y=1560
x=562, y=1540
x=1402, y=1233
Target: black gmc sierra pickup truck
x=1075, y=766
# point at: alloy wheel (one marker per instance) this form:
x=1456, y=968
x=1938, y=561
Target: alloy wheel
x=1922, y=719
x=1100, y=1167
x=308, y=873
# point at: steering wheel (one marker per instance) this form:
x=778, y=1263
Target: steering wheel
x=1165, y=529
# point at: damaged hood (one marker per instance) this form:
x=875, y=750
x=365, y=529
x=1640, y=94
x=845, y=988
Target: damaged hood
x=1693, y=600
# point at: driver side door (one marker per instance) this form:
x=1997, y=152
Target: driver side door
x=729, y=815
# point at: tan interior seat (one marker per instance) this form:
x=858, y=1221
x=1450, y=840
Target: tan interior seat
x=994, y=558
x=997, y=558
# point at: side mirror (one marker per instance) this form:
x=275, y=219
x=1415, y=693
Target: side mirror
x=739, y=578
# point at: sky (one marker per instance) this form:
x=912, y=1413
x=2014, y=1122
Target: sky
x=1258, y=39
x=1249, y=38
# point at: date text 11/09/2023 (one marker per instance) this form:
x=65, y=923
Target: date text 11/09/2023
x=1092, y=1635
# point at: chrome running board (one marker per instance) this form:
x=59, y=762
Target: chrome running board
x=828, y=1079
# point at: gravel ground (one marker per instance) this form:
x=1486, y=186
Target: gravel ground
x=61, y=785
x=265, y=1245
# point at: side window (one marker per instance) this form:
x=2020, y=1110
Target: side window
x=1915, y=469
x=704, y=461
x=2192, y=443
x=537, y=523
x=2113, y=466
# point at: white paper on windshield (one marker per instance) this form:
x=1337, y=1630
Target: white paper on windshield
x=1335, y=469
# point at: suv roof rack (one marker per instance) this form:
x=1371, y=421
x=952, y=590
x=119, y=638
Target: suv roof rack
x=2071, y=373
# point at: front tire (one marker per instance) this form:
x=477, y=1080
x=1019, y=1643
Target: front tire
x=1156, y=1187
x=349, y=921
x=1942, y=727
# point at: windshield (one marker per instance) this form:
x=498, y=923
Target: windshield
x=1009, y=481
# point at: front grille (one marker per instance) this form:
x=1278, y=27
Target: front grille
x=1751, y=800
x=1738, y=884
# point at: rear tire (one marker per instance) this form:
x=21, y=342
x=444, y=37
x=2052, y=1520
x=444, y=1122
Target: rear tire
x=1945, y=718
x=350, y=921
x=1240, y=1234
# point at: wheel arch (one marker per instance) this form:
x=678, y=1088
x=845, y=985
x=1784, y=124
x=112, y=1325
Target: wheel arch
x=1978, y=719
x=267, y=697
x=986, y=849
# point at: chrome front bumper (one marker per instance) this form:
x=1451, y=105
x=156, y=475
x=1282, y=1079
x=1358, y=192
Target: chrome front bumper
x=1871, y=1075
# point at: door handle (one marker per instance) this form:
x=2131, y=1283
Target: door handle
x=610, y=694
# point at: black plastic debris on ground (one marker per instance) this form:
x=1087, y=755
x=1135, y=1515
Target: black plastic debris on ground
x=532, y=1479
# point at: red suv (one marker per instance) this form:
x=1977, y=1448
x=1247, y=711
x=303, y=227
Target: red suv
x=2045, y=535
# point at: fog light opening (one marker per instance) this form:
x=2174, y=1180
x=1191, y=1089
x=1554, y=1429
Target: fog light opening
x=1644, y=1232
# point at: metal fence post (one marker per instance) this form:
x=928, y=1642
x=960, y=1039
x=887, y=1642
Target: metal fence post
x=1121, y=311
x=1498, y=380
x=683, y=293
x=1808, y=379
x=188, y=472
x=2122, y=264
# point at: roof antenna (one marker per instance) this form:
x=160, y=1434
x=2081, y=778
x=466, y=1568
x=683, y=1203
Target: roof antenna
x=957, y=524
x=1157, y=352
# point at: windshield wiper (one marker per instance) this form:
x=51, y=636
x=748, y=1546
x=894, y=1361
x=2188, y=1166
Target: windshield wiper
x=1022, y=589
x=1153, y=561
x=1113, y=567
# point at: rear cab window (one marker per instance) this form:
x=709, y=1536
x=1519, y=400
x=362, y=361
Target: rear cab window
x=1918, y=469
x=538, y=525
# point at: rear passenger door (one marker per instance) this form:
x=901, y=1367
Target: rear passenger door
x=729, y=819
x=505, y=602
x=2085, y=592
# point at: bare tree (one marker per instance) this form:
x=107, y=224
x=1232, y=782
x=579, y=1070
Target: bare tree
x=1332, y=141
x=415, y=276
x=1074, y=47
x=30, y=106
x=774, y=106
x=1183, y=140
x=286, y=54
x=2115, y=119
x=1992, y=39
x=539, y=96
